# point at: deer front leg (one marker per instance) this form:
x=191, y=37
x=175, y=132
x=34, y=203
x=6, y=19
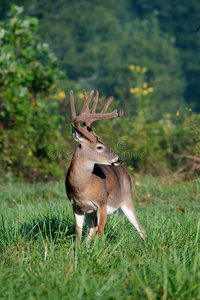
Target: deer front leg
x=92, y=224
x=101, y=219
x=79, y=218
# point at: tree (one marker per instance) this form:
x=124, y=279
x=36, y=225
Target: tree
x=98, y=41
x=180, y=19
x=29, y=118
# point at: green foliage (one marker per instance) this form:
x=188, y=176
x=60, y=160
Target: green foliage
x=41, y=260
x=34, y=109
x=97, y=41
x=179, y=19
x=152, y=146
x=29, y=119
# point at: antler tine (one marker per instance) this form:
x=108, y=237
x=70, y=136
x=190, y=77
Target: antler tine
x=94, y=106
x=103, y=114
x=104, y=110
x=95, y=102
x=73, y=110
x=120, y=113
x=87, y=100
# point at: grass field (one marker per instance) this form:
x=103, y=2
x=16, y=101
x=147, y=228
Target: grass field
x=40, y=258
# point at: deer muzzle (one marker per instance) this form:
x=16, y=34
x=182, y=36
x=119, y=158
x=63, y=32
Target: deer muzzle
x=117, y=161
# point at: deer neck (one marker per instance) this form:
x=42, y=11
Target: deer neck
x=81, y=170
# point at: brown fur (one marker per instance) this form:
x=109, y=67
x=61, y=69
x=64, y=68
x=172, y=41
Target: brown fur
x=96, y=184
x=92, y=186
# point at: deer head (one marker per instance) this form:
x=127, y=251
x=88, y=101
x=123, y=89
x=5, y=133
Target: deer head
x=91, y=146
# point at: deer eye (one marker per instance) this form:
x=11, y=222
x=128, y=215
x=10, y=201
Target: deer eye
x=99, y=147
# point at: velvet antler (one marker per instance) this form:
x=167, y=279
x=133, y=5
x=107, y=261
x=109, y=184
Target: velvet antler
x=88, y=116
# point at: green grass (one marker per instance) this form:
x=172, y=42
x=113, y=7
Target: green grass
x=40, y=258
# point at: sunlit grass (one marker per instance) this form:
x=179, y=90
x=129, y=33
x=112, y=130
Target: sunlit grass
x=40, y=258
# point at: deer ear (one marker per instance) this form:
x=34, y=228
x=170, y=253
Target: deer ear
x=78, y=137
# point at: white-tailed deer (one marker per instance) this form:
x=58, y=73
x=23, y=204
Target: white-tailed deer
x=96, y=183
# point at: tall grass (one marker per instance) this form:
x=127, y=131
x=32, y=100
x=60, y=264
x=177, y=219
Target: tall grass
x=40, y=258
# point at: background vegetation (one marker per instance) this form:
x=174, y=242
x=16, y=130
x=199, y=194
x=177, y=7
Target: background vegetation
x=143, y=54
x=146, y=54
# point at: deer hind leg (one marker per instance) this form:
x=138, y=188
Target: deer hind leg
x=129, y=211
x=79, y=219
x=92, y=224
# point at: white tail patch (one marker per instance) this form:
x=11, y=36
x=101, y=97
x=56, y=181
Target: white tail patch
x=132, y=219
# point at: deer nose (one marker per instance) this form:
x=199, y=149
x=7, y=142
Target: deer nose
x=120, y=160
x=117, y=162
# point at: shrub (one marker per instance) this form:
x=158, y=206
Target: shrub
x=29, y=118
x=151, y=145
